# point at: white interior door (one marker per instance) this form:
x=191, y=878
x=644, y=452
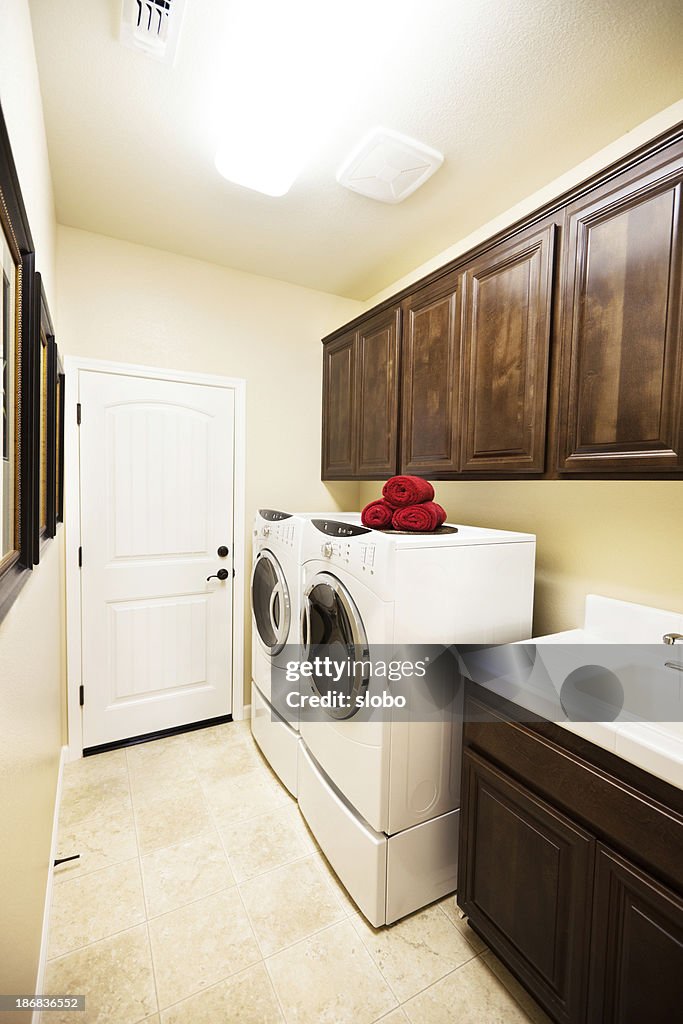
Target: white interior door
x=156, y=472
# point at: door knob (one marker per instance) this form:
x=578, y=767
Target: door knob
x=222, y=574
x=223, y=552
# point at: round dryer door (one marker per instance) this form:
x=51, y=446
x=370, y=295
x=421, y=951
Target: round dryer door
x=332, y=628
x=270, y=602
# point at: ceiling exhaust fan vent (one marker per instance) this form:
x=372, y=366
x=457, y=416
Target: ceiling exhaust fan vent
x=388, y=166
x=152, y=26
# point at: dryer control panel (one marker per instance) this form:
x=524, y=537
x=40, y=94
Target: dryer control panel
x=342, y=539
x=333, y=528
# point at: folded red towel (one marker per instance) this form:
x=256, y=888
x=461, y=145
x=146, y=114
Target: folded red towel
x=420, y=518
x=400, y=491
x=377, y=515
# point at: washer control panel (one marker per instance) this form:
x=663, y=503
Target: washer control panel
x=272, y=515
x=282, y=530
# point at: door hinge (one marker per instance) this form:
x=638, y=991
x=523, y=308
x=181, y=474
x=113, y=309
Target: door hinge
x=78, y=413
x=81, y=695
x=80, y=558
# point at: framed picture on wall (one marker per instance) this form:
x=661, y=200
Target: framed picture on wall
x=17, y=303
x=59, y=436
x=45, y=421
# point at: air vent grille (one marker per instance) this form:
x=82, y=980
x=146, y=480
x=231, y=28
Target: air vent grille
x=152, y=26
x=388, y=166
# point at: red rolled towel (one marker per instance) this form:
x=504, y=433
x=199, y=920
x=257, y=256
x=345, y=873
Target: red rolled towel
x=401, y=491
x=419, y=518
x=377, y=515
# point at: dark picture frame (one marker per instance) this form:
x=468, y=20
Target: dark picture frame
x=59, y=455
x=45, y=443
x=18, y=394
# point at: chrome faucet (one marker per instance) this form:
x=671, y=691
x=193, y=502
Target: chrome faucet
x=671, y=638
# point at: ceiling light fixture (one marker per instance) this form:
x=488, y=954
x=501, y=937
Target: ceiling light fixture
x=290, y=70
x=278, y=88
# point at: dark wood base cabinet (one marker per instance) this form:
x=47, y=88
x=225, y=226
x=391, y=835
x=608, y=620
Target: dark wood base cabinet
x=637, y=946
x=571, y=869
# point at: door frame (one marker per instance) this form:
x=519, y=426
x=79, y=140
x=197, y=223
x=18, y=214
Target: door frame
x=73, y=365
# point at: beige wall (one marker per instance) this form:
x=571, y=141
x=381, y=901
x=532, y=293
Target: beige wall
x=619, y=538
x=30, y=635
x=128, y=303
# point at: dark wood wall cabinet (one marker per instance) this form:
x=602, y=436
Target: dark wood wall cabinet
x=554, y=349
x=360, y=407
x=571, y=868
x=430, y=378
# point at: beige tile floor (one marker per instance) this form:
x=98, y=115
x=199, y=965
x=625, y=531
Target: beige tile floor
x=200, y=897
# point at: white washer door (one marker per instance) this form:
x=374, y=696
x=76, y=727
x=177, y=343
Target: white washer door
x=270, y=602
x=332, y=627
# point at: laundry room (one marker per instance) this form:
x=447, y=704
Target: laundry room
x=341, y=498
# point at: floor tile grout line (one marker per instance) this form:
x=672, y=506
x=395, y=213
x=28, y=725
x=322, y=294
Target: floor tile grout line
x=477, y=956
x=402, y=1002
x=88, y=874
x=443, y=977
x=180, y=842
x=276, y=867
x=154, y=970
x=244, y=906
x=372, y=957
x=199, y=899
x=507, y=988
x=212, y=984
x=190, y=903
x=95, y=942
x=462, y=932
x=215, y=984
x=185, y=839
x=305, y=938
x=96, y=871
x=144, y=894
x=275, y=992
x=263, y=959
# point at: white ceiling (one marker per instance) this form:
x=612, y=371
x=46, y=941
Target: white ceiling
x=513, y=92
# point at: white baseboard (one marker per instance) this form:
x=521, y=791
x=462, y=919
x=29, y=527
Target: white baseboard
x=246, y=713
x=40, y=978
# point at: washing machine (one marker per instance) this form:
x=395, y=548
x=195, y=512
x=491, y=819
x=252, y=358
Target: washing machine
x=381, y=790
x=276, y=614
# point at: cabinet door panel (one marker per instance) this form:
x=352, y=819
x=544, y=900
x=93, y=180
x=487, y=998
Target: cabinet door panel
x=339, y=435
x=524, y=880
x=431, y=379
x=377, y=395
x=506, y=344
x=637, y=947
x=622, y=360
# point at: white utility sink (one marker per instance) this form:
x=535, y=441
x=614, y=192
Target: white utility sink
x=624, y=658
